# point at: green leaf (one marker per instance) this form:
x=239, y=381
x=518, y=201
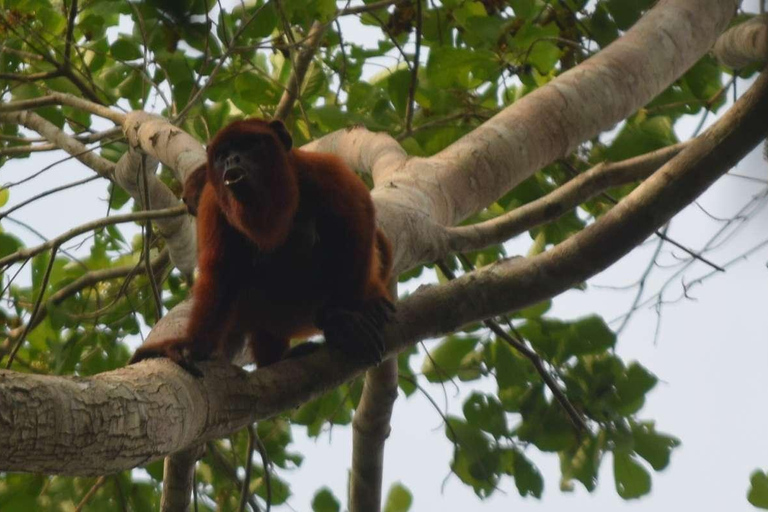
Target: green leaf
x=476, y=462
x=528, y=479
x=654, y=447
x=632, y=479
x=125, y=49
x=640, y=136
x=591, y=336
x=537, y=44
x=631, y=389
x=325, y=501
x=9, y=244
x=399, y=499
x=582, y=463
x=451, y=67
x=444, y=361
x=511, y=370
x=485, y=412
x=758, y=490
x=4, y=195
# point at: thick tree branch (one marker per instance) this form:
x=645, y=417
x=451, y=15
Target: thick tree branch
x=374, y=153
x=545, y=209
x=370, y=430
x=550, y=122
x=121, y=419
x=178, y=473
x=179, y=231
x=744, y=44
x=172, y=146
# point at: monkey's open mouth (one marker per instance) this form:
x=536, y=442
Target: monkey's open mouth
x=233, y=175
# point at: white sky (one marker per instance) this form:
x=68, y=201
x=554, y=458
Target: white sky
x=710, y=356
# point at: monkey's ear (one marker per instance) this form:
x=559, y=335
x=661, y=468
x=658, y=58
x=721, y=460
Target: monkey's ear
x=282, y=133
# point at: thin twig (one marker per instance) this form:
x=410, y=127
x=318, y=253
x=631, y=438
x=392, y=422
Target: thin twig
x=90, y=226
x=96, y=486
x=409, y=108
x=48, y=193
x=576, y=419
x=35, y=309
x=156, y=293
x=244, y=489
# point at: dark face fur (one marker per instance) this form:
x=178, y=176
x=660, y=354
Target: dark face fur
x=248, y=157
x=250, y=167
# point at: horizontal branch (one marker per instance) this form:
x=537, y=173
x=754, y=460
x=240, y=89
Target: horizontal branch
x=124, y=418
x=62, y=98
x=90, y=226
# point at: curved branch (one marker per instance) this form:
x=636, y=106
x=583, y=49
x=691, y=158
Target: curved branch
x=375, y=153
x=132, y=415
x=580, y=189
x=550, y=122
x=157, y=137
x=744, y=44
x=62, y=98
x=178, y=232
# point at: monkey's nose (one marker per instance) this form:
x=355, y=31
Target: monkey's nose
x=233, y=169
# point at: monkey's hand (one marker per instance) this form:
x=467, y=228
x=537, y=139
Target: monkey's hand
x=357, y=333
x=179, y=350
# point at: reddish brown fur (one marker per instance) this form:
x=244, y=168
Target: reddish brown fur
x=301, y=245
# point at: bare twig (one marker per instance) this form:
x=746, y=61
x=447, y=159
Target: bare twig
x=91, y=492
x=90, y=226
x=35, y=309
x=409, y=108
x=573, y=415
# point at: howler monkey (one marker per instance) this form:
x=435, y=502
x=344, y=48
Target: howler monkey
x=287, y=246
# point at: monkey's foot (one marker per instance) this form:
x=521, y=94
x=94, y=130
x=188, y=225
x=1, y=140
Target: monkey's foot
x=178, y=350
x=359, y=334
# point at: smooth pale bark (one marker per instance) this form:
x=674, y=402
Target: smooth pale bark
x=744, y=44
x=120, y=419
x=123, y=418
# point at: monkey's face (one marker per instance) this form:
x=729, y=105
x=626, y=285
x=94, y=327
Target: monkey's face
x=248, y=160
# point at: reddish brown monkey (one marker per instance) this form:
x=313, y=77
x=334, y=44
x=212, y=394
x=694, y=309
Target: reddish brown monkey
x=287, y=245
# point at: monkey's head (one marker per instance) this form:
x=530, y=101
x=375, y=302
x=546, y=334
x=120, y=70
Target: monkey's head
x=250, y=167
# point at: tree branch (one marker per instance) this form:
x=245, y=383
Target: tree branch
x=56, y=136
x=370, y=430
x=545, y=209
x=744, y=44
x=300, y=66
x=178, y=473
x=550, y=122
x=132, y=415
x=90, y=226
x=62, y=98
x=179, y=231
